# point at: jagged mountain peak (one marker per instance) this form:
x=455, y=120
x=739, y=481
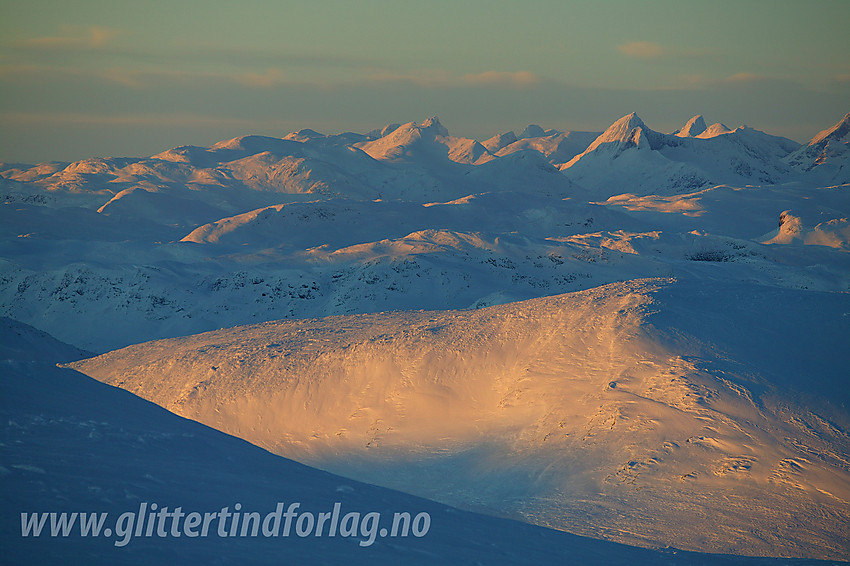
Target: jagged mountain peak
x=433, y=123
x=840, y=131
x=631, y=118
x=429, y=129
x=628, y=131
x=828, y=152
x=714, y=130
x=499, y=141
x=688, y=159
x=622, y=129
x=428, y=139
x=532, y=131
x=692, y=128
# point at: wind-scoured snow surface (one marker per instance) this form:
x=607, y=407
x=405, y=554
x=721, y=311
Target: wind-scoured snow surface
x=71, y=444
x=631, y=335
x=607, y=412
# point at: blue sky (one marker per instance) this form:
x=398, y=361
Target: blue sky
x=87, y=78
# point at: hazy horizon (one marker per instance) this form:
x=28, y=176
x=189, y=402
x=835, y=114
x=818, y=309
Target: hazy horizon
x=93, y=79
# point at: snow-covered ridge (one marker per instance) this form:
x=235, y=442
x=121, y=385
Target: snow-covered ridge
x=525, y=406
x=827, y=155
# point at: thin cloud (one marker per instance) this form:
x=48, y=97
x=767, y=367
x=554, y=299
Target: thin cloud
x=165, y=119
x=74, y=37
x=146, y=79
x=649, y=51
x=743, y=77
x=691, y=80
x=443, y=79
x=271, y=77
x=194, y=52
x=519, y=78
x=703, y=82
x=642, y=50
x=429, y=78
x=20, y=69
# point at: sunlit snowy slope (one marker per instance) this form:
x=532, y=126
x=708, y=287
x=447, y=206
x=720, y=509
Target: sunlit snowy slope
x=71, y=444
x=631, y=335
x=643, y=412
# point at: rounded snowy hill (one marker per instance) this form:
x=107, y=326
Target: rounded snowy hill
x=105, y=451
x=622, y=411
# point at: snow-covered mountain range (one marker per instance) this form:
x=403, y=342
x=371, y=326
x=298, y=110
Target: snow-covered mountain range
x=631, y=155
x=608, y=333
x=260, y=228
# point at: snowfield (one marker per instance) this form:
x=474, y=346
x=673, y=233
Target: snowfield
x=590, y=412
x=629, y=335
x=71, y=444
